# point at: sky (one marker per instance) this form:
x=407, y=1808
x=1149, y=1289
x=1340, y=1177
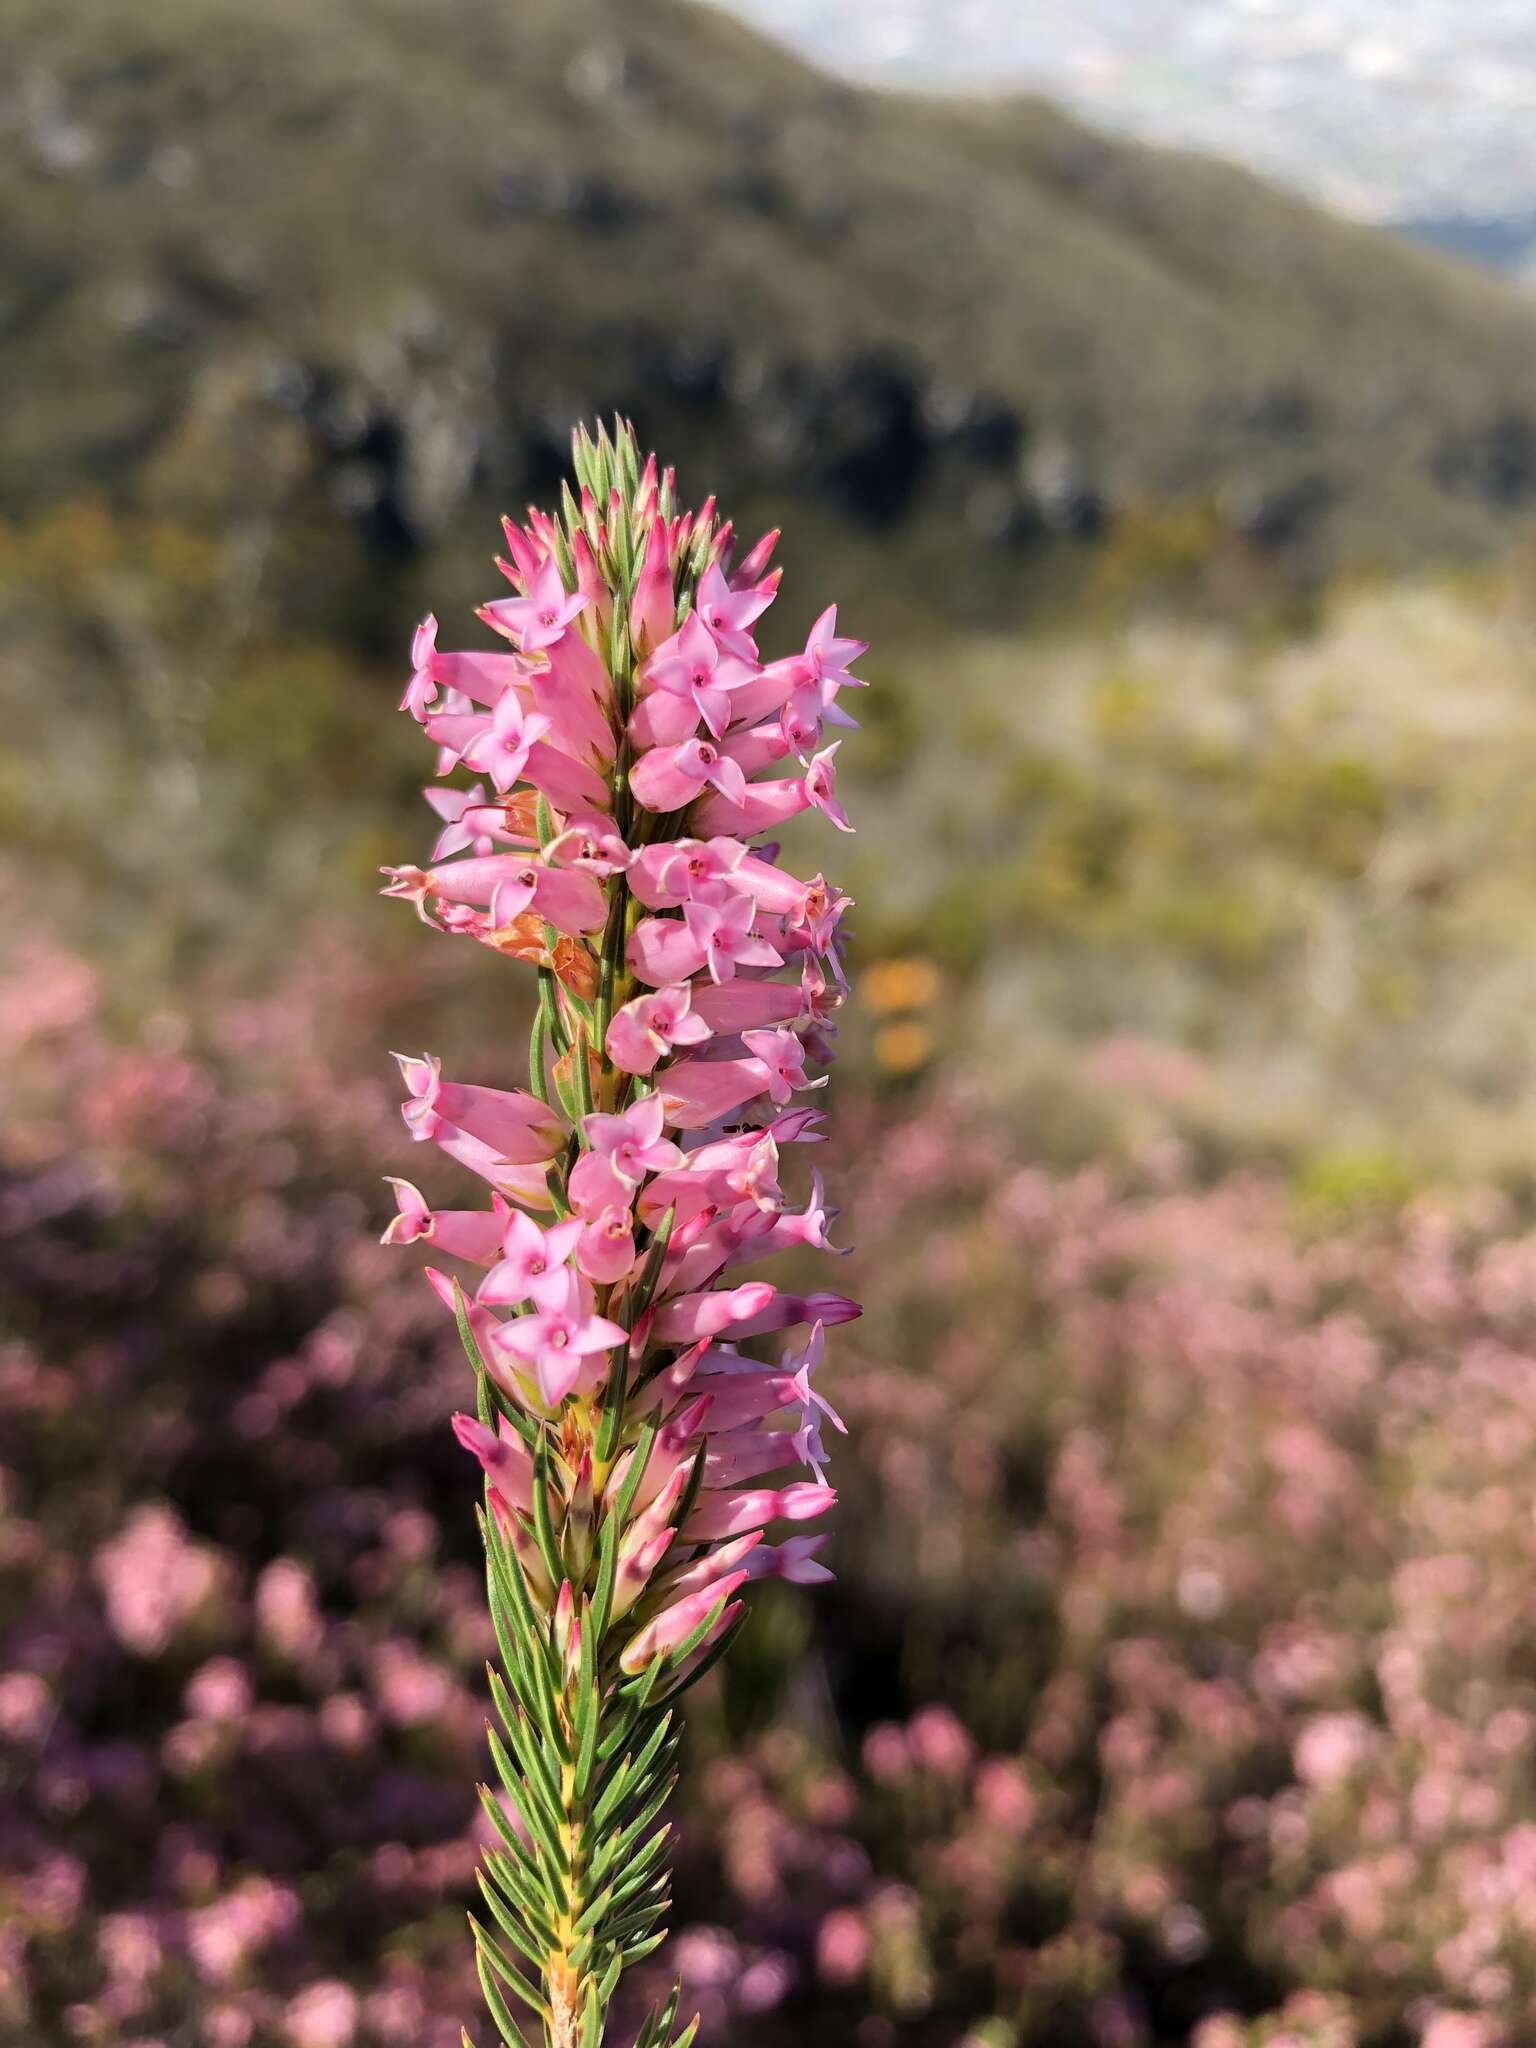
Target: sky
x=1386, y=109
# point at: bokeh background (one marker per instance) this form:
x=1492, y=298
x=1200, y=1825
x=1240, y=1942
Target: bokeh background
x=1179, y=1681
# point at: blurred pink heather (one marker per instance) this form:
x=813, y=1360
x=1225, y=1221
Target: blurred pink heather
x=626, y=753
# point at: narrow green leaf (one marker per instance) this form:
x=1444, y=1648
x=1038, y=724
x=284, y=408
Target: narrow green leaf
x=538, y=1038
x=633, y=1951
x=581, y=1074
x=509, y=1923
x=530, y=1810
x=620, y=1778
x=521, y=1896
x=651, y=1271
x=485, y=1964
x=543, y=1527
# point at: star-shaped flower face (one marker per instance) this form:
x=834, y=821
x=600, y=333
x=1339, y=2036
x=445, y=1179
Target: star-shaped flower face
x=632, y=1144
x=555, y=1340
x=533, y=1266
x=540, y=619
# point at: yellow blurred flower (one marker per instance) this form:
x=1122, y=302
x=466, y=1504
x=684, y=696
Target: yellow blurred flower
x=900, y=985
x=903, y=1047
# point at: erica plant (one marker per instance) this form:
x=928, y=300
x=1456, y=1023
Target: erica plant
x=637, y=1446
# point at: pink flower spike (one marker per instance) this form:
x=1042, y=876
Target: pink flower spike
x=501, y=750
x=650, y=1026
x=784, y=1057
x=539, y=619
x=533, y=1266
x=633, y=1144
x=554, y=1341
x=728, y=612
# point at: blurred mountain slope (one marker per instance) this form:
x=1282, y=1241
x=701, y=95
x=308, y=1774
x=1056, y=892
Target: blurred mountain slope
x=381, y=254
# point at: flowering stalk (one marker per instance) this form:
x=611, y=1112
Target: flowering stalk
x=635, y=1454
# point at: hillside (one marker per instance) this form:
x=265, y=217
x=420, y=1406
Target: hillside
x=358, y=265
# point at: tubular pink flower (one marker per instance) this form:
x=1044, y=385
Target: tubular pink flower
x=740, y=1005
x=605, y=1251
x=502, y=1459
x=706, y=1315
x=518, y=1127
x=729, y=1514
x=697, y=1093
x=788, y=1309
x=472, y=1234
x=618, y=839
x=507, y=884
x=794, y=1559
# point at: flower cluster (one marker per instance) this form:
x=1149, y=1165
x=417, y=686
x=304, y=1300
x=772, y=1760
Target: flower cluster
x=635, y=1455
